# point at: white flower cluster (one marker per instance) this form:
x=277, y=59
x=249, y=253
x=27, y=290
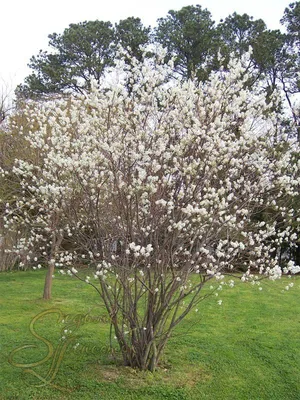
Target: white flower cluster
x=149, y=171
x=139, y=250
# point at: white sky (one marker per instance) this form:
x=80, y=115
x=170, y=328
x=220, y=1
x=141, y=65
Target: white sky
x=26, y=24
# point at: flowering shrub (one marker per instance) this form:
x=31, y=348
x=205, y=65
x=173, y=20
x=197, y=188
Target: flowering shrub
x=153, y=181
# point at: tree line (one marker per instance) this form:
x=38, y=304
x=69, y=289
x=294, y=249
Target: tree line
x=85, y=50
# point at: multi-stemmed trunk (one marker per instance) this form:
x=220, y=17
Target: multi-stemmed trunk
x=143, y=352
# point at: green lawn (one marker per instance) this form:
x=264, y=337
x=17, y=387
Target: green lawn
x=247, y=348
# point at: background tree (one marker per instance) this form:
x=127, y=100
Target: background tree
x=239, y=32
x=131, y=34
x=81, y=53
x=291, y=20
x=12, y=147
x=84, y=51
x=7, y=107
x=277, y=68
x=272, y=61
x=189, y=35
x=270, y=57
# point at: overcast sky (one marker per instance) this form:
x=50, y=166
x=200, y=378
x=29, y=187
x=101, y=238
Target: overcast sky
x=26, y=24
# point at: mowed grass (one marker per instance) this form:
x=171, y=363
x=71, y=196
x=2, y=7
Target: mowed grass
x=247, y=348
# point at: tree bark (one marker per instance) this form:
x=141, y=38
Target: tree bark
x=48, y=282
x=56, y=241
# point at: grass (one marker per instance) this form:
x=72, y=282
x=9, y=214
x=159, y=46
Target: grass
x=247, y=348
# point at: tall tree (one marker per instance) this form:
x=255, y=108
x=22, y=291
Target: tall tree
x=188, y=35
x=291, y=20
x=131, y=34
x=269, y=55
x=80, y=53
x=273, y=59
x=275, y=63
x=238, y=32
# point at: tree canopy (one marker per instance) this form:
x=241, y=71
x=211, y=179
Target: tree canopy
x=239, y=32
x=189, y=35
x=81, y=53
x=194, y=42
x=291, y=20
